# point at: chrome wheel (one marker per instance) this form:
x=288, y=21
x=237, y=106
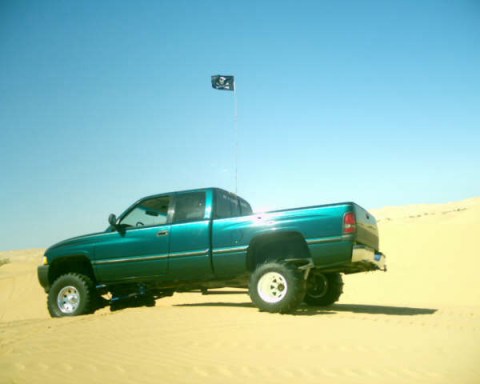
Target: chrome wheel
x=272, y=287
x=68, y=299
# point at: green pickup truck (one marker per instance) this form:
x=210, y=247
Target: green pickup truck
x=206, y=239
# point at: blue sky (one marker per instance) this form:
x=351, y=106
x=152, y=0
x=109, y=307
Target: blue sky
x=103, y=102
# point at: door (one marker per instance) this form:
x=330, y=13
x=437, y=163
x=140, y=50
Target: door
x=190, y=238
x=138, y=249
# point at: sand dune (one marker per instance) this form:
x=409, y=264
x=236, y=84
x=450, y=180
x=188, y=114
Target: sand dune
x=417, y=323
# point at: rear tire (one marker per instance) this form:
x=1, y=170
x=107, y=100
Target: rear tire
x=323, y=289
x=277, y=287
x=71, y=294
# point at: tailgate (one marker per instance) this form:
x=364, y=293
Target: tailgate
x=367, y=231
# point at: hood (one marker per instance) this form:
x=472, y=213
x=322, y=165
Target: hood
x=79, y=245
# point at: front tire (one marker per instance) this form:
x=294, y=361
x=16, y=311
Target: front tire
x=71, y=294
x=323, y=289
x=277, y=287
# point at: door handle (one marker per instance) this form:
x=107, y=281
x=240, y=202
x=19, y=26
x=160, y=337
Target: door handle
x=162, y=233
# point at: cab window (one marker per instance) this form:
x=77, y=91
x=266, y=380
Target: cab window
x=189, y=207
x=150, y=212
x=226, y=205
x=245, y=208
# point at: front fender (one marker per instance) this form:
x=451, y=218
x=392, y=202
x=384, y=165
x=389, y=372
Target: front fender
x=42, y=273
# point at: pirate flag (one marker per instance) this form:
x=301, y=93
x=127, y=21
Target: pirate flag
x=224, y=83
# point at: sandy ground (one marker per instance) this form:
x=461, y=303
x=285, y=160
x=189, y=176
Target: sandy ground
x=417, y=323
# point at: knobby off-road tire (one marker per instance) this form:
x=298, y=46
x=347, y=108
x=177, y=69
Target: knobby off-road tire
x=277, y=287
x=323, y=289
x=71, y=294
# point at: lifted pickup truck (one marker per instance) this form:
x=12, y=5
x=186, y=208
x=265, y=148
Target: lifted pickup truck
x=210, y=238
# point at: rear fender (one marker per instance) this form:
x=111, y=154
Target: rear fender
x=289, y=246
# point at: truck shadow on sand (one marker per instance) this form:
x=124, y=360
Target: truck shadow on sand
x=365, y=309
x=305, y=310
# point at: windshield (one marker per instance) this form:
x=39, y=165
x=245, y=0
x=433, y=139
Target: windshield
x=148, y=213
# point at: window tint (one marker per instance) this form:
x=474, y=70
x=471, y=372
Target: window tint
x=148, y=213
x=245, y=208
x=189, y=207
x=226, y=205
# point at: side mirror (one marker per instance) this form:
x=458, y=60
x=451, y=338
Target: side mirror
x=112, y=220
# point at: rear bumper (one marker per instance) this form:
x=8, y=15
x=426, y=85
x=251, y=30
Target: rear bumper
x=368, y=258
x=42, y=273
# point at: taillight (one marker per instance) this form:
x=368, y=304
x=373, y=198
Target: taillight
x=349, y=223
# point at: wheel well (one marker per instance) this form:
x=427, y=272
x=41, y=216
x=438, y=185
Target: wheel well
x=276, y=246
x=70, y=264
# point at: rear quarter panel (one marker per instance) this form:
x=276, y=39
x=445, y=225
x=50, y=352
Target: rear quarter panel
x=321, y=226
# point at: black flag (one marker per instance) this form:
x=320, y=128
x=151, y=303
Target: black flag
x=224, y=83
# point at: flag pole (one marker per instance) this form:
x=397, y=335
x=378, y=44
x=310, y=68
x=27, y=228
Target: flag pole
x=235, y=127
x=227, y=83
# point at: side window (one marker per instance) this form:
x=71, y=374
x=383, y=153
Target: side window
x=147, y=213
x=189, y=207
x=222, y=208
x=226, y=205
x=245, y=208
